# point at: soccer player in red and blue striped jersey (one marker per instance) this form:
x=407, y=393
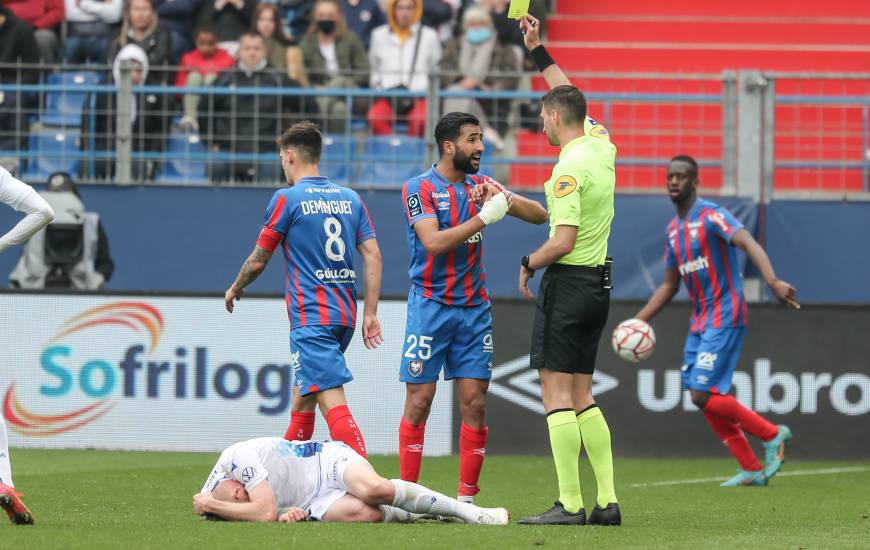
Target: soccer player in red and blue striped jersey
x=701, y=250
x=449, y=324
x=318, y=225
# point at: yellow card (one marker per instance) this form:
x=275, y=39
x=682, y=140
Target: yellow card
x=518, y=9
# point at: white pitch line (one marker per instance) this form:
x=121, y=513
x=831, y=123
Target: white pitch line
x=819, y=472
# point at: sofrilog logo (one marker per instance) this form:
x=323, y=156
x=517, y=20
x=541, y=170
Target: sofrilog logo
x=97, y=378
x=124, y=356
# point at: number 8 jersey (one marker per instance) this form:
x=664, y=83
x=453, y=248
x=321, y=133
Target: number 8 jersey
x=318, y=225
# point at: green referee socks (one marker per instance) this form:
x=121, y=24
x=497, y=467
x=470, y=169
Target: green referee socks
x=565, y=443
x=596, y=439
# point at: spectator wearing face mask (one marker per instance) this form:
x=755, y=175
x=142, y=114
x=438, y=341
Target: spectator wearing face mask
x=334, y=58
x=476, y=61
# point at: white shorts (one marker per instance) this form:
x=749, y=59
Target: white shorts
x=334, y=460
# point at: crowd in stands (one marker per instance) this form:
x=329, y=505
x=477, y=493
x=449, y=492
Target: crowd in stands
x=349, y=44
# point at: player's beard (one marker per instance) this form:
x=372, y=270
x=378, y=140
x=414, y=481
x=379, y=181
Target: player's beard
x=463, y=162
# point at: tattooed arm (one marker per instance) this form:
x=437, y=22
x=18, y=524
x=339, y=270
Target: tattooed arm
x=251, y=269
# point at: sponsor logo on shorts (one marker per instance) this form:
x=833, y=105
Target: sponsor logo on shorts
x=487, y=343
x=415, y=207
x=415, y=368
x=415, y=447
x=564, y=186
x=248, y=474
x=706, y=360
x=703, y=379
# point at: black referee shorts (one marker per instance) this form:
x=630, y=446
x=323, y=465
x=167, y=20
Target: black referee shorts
x=570, y=314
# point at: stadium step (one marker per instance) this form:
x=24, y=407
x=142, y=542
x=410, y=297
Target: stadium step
x=725, y=8
x=693, y=30
x=706, y=58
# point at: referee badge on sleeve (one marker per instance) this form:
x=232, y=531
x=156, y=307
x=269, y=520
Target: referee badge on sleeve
x=564, y=186
x=415, y=207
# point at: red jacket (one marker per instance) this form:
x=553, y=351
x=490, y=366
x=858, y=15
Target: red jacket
x=39, y=14
x=194, y=61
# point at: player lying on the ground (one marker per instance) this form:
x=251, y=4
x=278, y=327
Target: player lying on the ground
x=22, y=198
x=271, y=479
x=701, y=250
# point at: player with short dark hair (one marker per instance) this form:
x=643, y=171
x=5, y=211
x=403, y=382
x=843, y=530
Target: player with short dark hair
x=318, y=225
x=271, y=479
x=701, y=249
x=574, y=296
x=449, y=324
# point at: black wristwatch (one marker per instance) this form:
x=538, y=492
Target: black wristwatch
x=525, y=263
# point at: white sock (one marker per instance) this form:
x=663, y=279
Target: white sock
x=397, y=515
x=5, y=466
x=421, y=500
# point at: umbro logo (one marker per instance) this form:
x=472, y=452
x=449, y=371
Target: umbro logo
x=514, y=381
x=415, y=447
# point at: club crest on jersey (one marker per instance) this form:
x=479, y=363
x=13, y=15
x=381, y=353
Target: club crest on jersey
x=415, y=368
x=564, y=186
x=415, y=207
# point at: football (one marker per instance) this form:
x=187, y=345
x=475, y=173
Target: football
x=633, y=340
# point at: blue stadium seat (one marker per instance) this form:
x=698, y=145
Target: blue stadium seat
x=184, y=168
x=338, y=161
x=65, y=108
x=52, y=150
x=390, y=160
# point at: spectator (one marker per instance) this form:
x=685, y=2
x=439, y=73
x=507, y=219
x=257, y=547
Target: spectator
x=140, y=27
x=72, y=252
x=249, y=124
x=90, y=23
x=476, y=54
x=17, y=45
x=401, y=55
x=281, y=52
x=363, y=16
x=231, y=19
x=177, y=17
x=441, y=16
x=44, y=16
x=148, y=117
x=296, y=15
x=508, y=30
x=334, y=58
x=200, y=67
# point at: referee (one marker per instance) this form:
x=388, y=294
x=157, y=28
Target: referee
x=574, y=296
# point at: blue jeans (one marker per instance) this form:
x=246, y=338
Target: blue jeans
x=83, y=48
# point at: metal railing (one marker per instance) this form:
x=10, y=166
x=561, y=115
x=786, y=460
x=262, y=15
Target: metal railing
x=739, y=126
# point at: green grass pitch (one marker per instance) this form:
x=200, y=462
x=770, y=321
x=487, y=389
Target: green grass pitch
x=126, y=500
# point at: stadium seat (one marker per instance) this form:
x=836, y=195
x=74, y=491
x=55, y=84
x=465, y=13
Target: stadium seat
x=179, y=167
x=338, y=162
x=390, y=160
x=65, y=108
x=52, y=150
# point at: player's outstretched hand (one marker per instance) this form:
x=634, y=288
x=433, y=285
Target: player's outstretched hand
x=293, y=515
x=372, y=335
x=785, y=293
x=232, y=295
x=525, y=275
x=201, y=502
x=531, y=29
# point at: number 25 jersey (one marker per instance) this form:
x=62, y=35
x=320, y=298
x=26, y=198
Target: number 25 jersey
x=318, y=225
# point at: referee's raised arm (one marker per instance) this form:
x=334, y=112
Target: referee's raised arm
x=531, y=29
